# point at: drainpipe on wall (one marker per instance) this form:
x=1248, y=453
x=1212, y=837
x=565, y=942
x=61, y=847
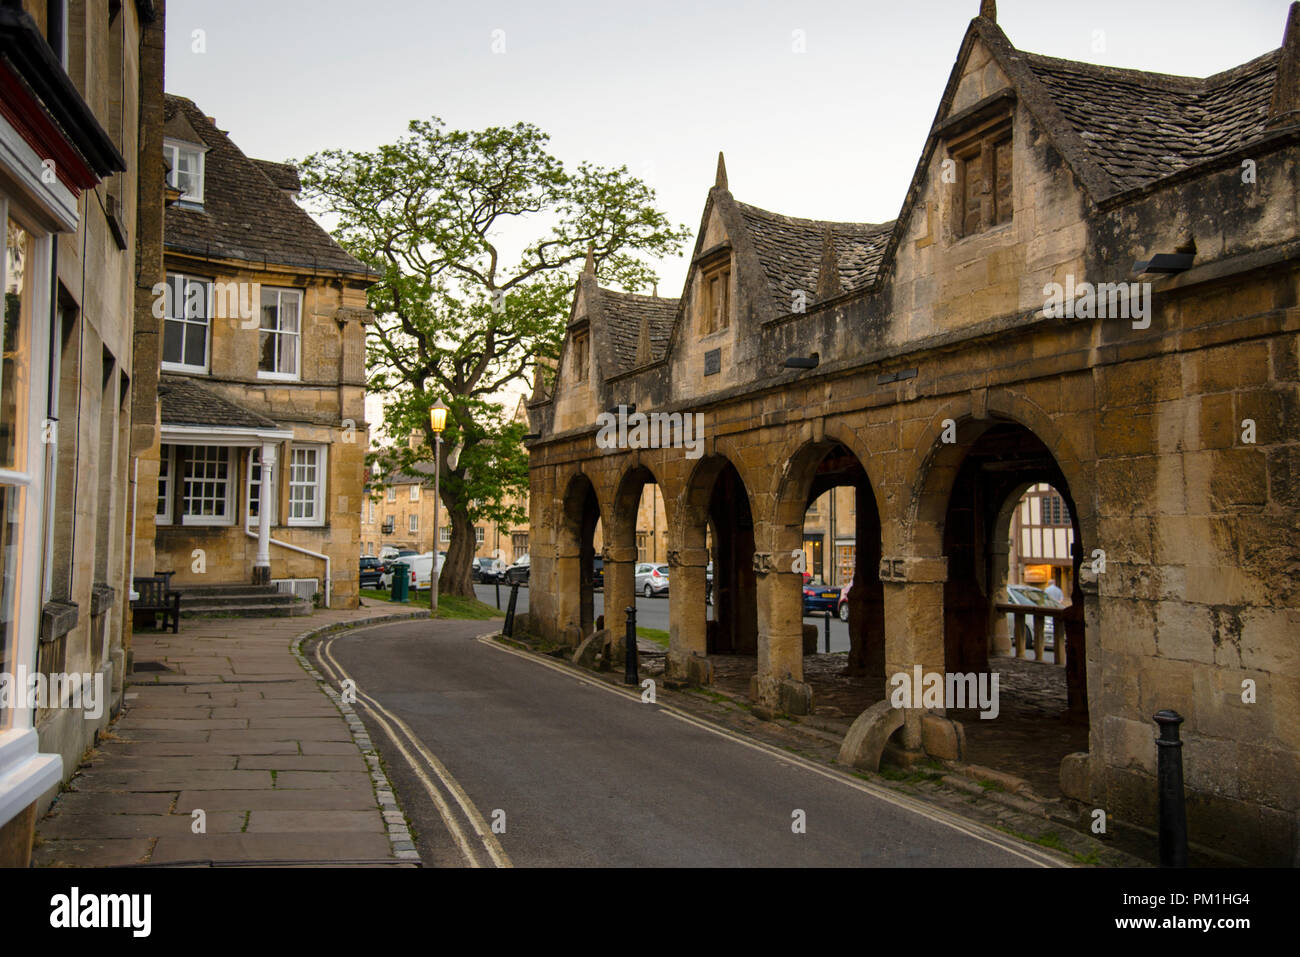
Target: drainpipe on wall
x=135, y=502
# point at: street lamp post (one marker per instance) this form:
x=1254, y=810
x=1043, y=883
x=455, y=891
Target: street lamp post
x=438, y=420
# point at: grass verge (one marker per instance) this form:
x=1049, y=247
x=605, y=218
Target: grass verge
x=449, y=606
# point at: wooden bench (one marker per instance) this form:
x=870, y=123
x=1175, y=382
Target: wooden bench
x=156, y=598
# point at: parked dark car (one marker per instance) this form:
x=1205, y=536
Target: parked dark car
x=518, y=572
x=488, y=570
x=819, y=597
x=372, y=570
x=598, y=572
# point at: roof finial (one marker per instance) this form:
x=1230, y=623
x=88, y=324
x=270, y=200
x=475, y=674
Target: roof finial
x=721, y=181
x=989, y=10
x=1286, y=85
x=589, y=268
x=828, y=276
x=654, y=290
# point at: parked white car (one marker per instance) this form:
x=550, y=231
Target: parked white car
x=422, y=564
x=651, y=579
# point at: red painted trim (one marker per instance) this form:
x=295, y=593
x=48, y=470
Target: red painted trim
x=34, y=125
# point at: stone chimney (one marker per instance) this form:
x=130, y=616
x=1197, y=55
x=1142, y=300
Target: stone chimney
x=828, y=276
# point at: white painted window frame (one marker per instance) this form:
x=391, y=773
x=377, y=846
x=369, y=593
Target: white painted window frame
x=277, y=331
x=185, y=280
x=171, y=151
x=167, y=456
x=231, y=482
x=322, y=472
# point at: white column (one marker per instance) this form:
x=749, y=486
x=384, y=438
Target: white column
x=266, y=490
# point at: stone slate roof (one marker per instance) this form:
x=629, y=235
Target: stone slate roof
x=1140, y=127
x=624, y=313
x=281, y=174
x=245, y=214
x=184, y=402
x=790, y=251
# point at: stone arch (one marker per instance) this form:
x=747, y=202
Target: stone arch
x=578, y=511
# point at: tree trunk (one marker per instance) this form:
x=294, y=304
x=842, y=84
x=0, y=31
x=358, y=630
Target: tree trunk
x=457, y=572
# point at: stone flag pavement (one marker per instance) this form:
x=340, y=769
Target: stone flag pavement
x=222, y=719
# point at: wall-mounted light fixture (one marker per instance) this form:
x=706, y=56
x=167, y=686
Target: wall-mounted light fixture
x=803, y=362
x=1164, y=263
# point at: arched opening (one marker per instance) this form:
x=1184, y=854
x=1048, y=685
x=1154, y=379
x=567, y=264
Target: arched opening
x=636, y=557
x=713, y=608
x=1007, y=473
x=575, y=559
x=827, y=514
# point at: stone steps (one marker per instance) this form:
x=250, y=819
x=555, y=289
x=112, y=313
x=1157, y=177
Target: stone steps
x=240, y=601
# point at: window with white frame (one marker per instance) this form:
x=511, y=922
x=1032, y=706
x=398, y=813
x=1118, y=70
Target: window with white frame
x=392, y=494
x=281, y=334
x=166, y=468
x=187, y=304
x=372, y=511
x=479, y=534
x=186, y=162
x=414, y=522
x=207, y=486
x=444, y=534
x=255, y=488
x=415, y=493
x=307, y=485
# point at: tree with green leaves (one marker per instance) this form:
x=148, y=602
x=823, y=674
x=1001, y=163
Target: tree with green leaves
x=461, y=317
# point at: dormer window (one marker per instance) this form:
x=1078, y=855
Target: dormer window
x=983, y=158
x=186, y=166
x=715, y=297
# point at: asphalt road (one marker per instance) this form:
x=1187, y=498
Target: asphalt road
x=575, y=774
x=653, y=613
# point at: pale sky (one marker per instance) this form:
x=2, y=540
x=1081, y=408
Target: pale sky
x=833, y=132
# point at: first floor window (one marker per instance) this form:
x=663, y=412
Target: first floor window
x=444, y=534
x=415, y=493
x=185, y=327
x=255, y=488
x=478, y=534
x=414, y=523
x=372, y=511
x=281, y=333
x=392, y=494
x=206, y=486
x=307, y=485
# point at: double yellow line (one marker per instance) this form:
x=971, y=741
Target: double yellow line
x=483, y=849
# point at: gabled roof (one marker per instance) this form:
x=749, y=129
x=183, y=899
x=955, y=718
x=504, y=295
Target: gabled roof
x=245, y=215
x=625, y=313
x=1140, y=127
x=184, y=402
x=790, y=251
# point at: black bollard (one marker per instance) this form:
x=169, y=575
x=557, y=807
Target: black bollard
x=1173, y=807
x=508, y=629
x=497, y=585
x=629, y=656
x=828, y=632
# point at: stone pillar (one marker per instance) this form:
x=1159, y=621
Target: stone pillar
x=999, y=639
x=568, y=592
x=688, y=660
x=620, y=584
x=262, y=564
x=779, y=684
x=913, y=626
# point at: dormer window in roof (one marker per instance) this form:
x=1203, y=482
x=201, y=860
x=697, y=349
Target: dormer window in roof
x=185, y=165
x=983, y=177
